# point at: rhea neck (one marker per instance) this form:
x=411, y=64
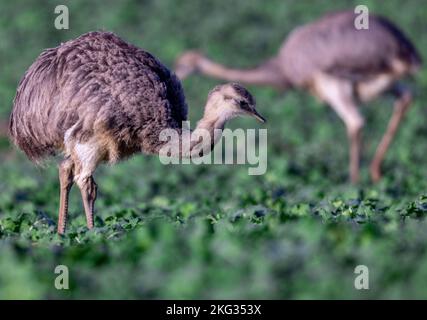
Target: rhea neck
x=212, y=123
x=268, y=74
x=199, y=142
x=214, y=117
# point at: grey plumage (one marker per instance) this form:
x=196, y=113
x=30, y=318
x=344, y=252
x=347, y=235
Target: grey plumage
x=330, y=45
x=333, y=45
x=95, y=83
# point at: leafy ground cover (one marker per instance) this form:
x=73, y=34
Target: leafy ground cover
x=203, y=231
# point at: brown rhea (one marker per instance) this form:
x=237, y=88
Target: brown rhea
x=100, y=99
x=340, y=65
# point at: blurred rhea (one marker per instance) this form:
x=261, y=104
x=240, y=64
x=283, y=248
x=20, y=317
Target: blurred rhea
x=338, y=63
x=100, y=99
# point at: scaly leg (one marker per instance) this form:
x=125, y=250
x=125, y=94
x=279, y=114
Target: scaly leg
x=66, y=176
x=404, y=99
x=86, y=157
x=355, y=139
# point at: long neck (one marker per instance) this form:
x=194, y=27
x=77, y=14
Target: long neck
x=267, y=74
x=187, y=143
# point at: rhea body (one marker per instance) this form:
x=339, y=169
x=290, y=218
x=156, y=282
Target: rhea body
x=339, y=64
x=100, y=99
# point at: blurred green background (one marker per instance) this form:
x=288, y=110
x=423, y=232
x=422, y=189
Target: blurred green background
x=297, y=232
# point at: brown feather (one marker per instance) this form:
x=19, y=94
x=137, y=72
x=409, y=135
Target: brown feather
x=99, y=84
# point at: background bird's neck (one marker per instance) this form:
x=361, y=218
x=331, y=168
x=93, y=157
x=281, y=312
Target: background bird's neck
x=267, y=74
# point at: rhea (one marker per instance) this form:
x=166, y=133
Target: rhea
x=100, y=99
x=340, y=65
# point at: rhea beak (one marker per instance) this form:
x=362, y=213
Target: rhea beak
x=257, y=116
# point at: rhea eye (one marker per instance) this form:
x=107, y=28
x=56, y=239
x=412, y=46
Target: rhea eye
x=244, y=104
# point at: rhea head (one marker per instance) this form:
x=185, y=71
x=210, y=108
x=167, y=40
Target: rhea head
x=188, y=63
x=231, y=100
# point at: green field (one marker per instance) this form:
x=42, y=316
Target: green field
x=213, y=231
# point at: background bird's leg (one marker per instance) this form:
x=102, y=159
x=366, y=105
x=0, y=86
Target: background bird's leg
x=355, y=153
x=402, y=103
x=88, y=189
x=66, y=176
x=354, y=123
x=339, y=95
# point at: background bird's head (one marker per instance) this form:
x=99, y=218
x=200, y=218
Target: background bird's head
x=188, y=63
x=231, y=100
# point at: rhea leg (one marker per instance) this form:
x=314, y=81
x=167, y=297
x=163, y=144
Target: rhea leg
x=66, y=176
x=355, y=137
x=88, y=189
x=402, y=103
x=354, y=123
x=339, y=95
x=86, y=158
